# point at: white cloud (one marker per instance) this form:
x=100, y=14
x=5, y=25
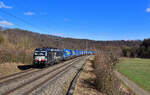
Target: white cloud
x=148, y=10
x=2, y=5
x=5, y=23
x=29, y=13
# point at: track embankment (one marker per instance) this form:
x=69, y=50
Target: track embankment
x=46, y=81
x=86, y=82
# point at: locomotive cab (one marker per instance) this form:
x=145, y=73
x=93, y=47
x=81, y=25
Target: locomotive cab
x=40, y=57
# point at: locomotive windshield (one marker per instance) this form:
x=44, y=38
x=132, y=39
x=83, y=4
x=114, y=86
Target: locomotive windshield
x=40, y=53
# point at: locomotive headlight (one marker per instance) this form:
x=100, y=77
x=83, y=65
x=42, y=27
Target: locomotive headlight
x=35, y=54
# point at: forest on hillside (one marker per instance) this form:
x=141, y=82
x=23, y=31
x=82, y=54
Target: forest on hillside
x=142, y=52
x=17, y=45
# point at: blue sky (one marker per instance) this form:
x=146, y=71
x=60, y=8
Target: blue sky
x=88, y=19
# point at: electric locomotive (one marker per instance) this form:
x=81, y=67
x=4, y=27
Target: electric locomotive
x=47, y=56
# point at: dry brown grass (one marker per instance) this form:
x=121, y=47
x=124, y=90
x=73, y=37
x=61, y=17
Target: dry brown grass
x=9, y=68
x=86, y=82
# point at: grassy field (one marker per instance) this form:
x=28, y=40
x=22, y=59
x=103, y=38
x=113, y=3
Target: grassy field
x=137, y=70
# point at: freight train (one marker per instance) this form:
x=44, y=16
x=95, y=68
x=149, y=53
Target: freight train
x=51, y=56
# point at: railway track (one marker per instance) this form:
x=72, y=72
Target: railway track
x=8, y=79
x=8, y=76
x=25, y=82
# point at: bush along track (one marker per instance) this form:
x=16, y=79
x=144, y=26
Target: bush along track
x=106, y=81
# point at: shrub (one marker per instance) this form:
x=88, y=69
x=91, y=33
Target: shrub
x=106, y=81
x=130, y=52
x=2, y=39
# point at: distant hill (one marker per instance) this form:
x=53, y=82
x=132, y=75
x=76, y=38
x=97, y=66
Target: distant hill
x=43, y=40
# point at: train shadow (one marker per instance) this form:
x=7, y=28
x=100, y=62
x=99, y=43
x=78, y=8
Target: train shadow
x=25, y=67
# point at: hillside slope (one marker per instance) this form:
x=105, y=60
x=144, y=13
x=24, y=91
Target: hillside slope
x=17, y=45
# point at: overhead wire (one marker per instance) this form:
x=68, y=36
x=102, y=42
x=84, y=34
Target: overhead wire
x=20, y=19
x=20, y=6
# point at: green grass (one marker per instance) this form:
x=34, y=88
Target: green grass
x=137, y=70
